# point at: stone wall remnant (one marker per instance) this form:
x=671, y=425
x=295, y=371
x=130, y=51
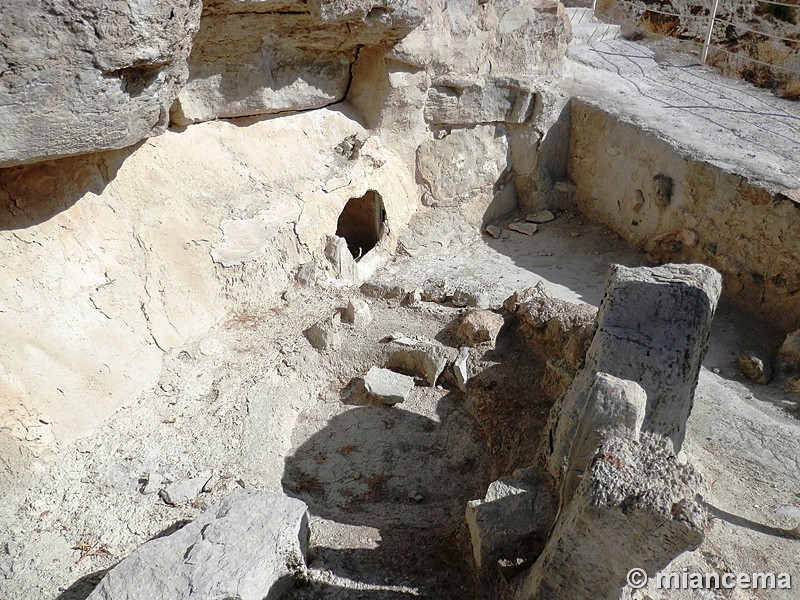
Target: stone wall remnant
x=677, y=207
x=652, y=328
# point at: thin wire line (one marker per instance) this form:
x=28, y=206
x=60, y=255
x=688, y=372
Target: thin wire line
x=736, y=54
x=663, y=35
x=778, y=3
x=661, y=12
x=761, y=62
x=777, y=37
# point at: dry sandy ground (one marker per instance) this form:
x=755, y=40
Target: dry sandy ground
x=386, y=487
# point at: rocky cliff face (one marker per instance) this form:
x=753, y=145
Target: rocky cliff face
x=78, y=77
x=105, y=251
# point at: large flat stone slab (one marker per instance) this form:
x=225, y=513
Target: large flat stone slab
x=246, y=547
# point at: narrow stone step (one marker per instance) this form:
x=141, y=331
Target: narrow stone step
x=581, y=15
x=590, y=33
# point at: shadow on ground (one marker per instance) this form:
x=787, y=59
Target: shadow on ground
x=403, y=480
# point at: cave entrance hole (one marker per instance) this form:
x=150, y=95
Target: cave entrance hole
x=361, y=223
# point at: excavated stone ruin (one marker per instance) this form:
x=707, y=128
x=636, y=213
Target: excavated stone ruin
x=387, y=299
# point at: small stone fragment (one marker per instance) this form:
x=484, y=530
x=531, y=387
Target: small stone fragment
x=412, y=299
x=516, y=512
x=357, y=313
x=543, y=216
x=524, y=228
x=401, y=338
x=425, y=359
x=462, y=298
x=324, y=336
x=493, y=231
x=307, y=274
x=479, y=327
x=460, y=368
x=184, y=491
x=344, y=265
x=387, y=386
x=755, y=367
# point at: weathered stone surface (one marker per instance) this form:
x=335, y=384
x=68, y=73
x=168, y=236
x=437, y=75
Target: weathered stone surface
x=325, y=335
x=248, y=546
x=635, y=507
x=479, y=327
x=387, y=386
x=543, y=216
x=89, y=76
x=469, y=101
x=357, y=313
x=755, y=367
x=461, y=369
x=513, y=519
x=263, y=57
x=788, y=361
x=464, y=167
x=425, y=359
x=344, y=265
x=246, y=240
x=613, y=407
x=184, y=491
x=307, y=274
x=500, y=38
x=524, y=228
x=653, y=327
x=789, y=352
x=557, y=378
x=553, y=329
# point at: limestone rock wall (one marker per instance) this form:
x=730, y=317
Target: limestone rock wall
x=77, y=77
x=104, y=251
x=113, y=259
x=265, y=57
x=680, y=209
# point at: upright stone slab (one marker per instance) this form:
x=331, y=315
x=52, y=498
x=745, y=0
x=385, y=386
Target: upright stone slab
x=653, y=327
x=513, y=519
x=247, y=547
x=614, y=407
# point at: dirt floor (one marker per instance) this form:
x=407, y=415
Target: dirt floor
x=386, y=487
